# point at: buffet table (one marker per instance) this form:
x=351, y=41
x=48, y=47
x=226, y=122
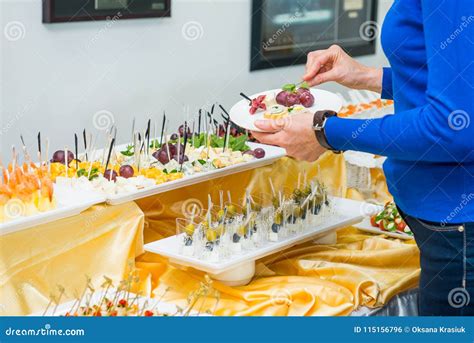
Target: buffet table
x=310, y=279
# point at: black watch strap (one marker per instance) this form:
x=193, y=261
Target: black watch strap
x=319, y=122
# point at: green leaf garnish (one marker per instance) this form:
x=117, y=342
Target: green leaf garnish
x=289, y=87
x=128, y=151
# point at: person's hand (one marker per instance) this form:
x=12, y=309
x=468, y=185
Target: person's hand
x=334, y=64
x=294, y=133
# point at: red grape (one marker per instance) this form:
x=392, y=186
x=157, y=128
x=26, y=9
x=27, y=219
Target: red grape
x=281, y=98
x=58, y=157
x=126, y=171
x=181, y=131
x=292, y=100
x=162, y=156
x=307, y=99
x=259, y=153
x=110, y=174
x=302, y=91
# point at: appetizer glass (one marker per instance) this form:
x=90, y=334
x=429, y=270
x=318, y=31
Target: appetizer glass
x=189, y=234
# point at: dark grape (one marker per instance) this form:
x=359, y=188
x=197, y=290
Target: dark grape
x=126, y=171
x=174, y=137
x=307, y=99
x=171, y=147
x=292, y=99
x=58, y=156
x=221, y=130
x=162, y=156
x=181, y=131
x=110, y=174
x=259, y=153
x=281, y=97
x=303, y=91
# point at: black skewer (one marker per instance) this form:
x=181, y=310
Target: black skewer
x=246, y=97
x=199, y=122
x=184, y=148
x=148, y=136
x=110, y=153
x=84, y=138
x=22, y=140
x=162, y=129
x=39, y=143
x=212, y=108
x=225, y=135
x=75, y=150
x=223, y=110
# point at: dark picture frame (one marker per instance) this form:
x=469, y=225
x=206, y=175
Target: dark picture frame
x=258, y=60
x=61, y=11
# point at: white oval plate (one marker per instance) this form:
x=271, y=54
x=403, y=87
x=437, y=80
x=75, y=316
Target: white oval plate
x=323, y=100
x=365, y=225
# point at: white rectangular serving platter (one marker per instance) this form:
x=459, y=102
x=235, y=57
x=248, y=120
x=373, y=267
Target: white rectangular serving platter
x=365, y=225
x=272, y=153
x=347, y=212
x=70, y=202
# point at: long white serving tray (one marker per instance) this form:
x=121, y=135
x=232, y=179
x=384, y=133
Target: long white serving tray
x=272, y=153
x=70, y=202
x=347, y=212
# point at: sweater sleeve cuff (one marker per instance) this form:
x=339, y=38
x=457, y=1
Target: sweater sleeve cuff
x=387, y=85
x=351, y=134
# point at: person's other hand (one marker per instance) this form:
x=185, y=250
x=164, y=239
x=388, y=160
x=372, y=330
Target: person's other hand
x=294, y=133
x=334, y=64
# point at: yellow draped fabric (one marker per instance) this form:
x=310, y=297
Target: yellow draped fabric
x=98, y=242
x=309, y=279
x=360, y=270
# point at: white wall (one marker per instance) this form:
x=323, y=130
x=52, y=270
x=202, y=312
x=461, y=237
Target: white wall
x=55, y=77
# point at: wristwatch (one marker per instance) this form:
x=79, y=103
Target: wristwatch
x=319, y=122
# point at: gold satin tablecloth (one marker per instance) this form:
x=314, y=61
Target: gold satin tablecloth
x=360, y=270
x=309, y=279
x=34, y=261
